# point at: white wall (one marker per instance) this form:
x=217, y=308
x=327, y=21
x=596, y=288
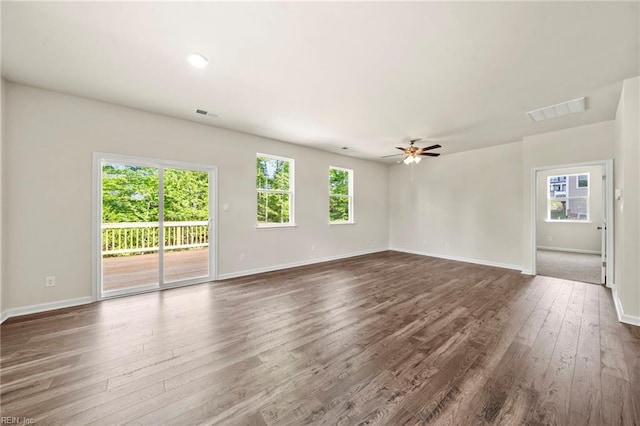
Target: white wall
x=578, y=235
x=48, y=159
x=464, y=206
x=476, y=205
x=576, y=145
x=627, y=210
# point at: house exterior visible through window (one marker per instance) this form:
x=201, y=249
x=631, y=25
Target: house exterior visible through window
x=568, y=197
x=274, y=184
x=340, y=195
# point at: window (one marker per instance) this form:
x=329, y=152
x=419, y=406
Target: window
x=583, y=181
x=274, y=183
x=568, y=198
x=340, y=195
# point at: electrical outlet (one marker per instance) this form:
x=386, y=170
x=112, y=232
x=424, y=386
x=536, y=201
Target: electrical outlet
x=549, y=238
x=241, y=257
x=50, y=281
x=313, y=247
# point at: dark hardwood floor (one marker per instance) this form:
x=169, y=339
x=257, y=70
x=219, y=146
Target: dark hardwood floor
x=388, y=338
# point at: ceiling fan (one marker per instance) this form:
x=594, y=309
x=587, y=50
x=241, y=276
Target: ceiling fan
x=412, y=153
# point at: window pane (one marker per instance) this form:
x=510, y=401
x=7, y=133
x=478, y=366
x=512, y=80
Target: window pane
x=272, y=173
x=557, y=210
x=338, y=209
x=129, y=193
x=557, y=186
x=583, y=181
x=577, y=209
x=338, y=181
x=273, y=208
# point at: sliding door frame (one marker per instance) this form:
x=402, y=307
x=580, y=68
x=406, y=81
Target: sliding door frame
x=96, y=221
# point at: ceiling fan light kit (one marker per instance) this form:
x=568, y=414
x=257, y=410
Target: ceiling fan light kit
x=412, y=153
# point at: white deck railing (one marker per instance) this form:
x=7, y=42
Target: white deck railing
x=141, y=237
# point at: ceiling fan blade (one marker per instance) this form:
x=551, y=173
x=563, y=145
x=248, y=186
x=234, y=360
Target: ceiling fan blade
x=393, y=155
x=430, y=154
x=401, y=149
x=429, y=148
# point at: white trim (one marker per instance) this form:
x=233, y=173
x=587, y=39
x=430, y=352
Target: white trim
x=34, y=309
x=460, y=259
x=622, y=317
x=296, y=264
x=569, y=250
x=566, y=221
x=275, y=225
x=526, y=272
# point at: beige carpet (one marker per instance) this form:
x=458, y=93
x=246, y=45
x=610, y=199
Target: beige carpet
x=569, y=266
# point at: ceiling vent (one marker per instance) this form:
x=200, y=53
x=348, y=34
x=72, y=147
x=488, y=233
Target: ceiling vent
x=558, y=110
x=207, y=113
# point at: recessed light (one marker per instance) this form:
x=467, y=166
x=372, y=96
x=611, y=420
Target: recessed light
x=197, y=60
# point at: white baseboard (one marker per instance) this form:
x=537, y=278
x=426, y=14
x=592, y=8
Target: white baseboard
x=569, y=250
x=622, y=317
x=34, y=309
x=295, y=264
x=527, y=272
x=460, y=259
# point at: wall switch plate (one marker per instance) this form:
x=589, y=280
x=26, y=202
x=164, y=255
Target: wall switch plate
x=50, y=281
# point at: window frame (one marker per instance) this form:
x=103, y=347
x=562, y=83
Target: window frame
x=349, y=196
x=587, y=197
x=290, y=192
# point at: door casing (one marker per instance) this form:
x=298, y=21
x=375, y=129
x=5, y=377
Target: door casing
x=607, y=166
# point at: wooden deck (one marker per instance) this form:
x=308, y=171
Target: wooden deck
x=133, y=271
x=382, y=339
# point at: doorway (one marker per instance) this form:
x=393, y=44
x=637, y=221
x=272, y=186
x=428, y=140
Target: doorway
x=572, y=233
x=153, y=224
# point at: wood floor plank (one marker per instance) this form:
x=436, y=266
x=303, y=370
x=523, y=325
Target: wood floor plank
x=386, y=338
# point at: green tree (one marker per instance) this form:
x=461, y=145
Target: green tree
x=338, y=195
x=272, y=182
x=186, y=195
x=129, y=193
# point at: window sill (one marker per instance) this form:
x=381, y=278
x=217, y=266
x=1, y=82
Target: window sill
x=277, y=226
x=342, y=223
x=567, y=221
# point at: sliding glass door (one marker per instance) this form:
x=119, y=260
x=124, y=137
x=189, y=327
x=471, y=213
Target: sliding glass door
x=155, y=224
x=186, y=224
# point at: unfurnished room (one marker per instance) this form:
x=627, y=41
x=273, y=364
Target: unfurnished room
x=290, y=213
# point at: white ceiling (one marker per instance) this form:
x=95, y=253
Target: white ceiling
x=327, y=75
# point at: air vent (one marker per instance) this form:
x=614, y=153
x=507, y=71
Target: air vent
x=558, y=110
x=207, y=113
